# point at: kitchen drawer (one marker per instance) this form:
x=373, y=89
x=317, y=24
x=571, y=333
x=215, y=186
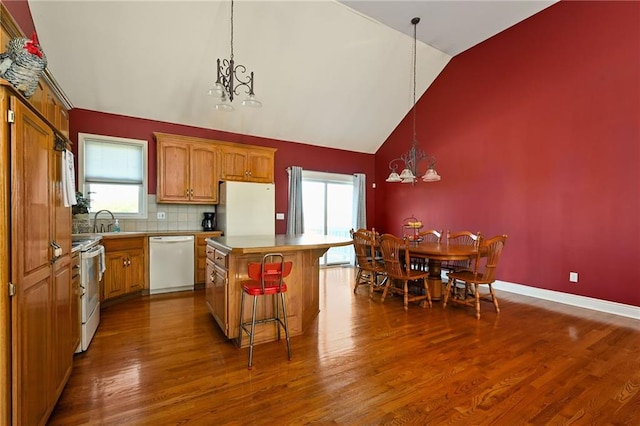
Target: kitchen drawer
x=119, y=244
x=221, y=259
x=211, y=253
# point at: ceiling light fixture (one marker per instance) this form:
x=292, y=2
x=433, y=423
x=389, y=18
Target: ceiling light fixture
x=230, y=79
x=415, y=155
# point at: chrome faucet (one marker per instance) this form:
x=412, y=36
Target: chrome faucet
x=95, y=221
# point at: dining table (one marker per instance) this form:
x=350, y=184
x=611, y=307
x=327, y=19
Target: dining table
x=435, y=254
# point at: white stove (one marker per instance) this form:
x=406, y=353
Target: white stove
x=92, y=266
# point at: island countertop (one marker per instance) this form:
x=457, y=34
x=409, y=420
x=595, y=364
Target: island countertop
x=281, y=243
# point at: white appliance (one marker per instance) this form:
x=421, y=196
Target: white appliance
x=246, y=208
x=171, y=263
x=92, y=266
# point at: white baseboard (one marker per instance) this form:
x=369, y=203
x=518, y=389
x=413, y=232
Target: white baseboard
x=571, y=299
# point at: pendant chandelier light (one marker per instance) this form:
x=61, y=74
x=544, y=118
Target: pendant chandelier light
x=230, y=78
x=414, y=156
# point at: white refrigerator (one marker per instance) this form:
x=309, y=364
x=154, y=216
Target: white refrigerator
x=246, y=208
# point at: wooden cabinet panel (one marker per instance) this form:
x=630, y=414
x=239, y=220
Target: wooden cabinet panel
x=32, y=355
x=173, y=172
x=52, y=104
x=233, y=164
x=220, y=295
x=62, y=120
x=216, y=291
x=261, y=166
x=187, y=171
x=135, y=280
x=126, y=268
x=250, y=164
x=114, y=277
x=203, y=174
x=38, y=99
x=62, y=325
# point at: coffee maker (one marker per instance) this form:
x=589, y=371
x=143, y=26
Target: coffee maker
x=209, y=221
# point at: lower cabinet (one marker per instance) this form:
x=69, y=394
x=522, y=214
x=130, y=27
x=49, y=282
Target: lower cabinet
x=125, y=266
x=63, y=324
x=217, y=287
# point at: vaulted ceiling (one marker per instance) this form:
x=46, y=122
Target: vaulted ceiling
x=328, y=73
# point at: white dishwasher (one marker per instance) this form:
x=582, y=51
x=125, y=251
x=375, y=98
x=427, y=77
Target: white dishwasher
x=171, y=263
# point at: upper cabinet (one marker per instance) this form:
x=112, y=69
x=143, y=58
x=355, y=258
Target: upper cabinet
x=247, y=163
x=187, y=170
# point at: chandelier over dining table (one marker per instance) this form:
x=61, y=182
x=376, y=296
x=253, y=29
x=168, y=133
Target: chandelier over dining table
x=230, y=79
x=410, y=160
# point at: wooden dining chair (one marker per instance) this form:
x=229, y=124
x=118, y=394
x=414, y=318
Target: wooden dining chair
x=462, y=238
x=489, y=254
x=429, y=236
x=395, y=254
x=369, y=266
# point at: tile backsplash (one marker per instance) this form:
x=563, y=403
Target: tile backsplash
x=178, y=217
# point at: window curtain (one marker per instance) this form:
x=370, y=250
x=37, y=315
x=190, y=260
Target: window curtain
x=359, y=201
x=295, y=222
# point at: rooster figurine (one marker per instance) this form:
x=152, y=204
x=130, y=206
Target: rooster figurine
x=22, y=64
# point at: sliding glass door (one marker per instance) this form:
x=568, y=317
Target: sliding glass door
x=327, y=200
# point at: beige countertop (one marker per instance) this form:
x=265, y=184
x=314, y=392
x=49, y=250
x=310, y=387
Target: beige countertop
x=281, y=243
x=109, y=235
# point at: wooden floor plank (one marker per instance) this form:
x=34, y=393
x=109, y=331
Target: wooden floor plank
x=162, y=360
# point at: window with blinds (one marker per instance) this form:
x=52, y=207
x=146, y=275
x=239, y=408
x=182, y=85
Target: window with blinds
x=112, y=172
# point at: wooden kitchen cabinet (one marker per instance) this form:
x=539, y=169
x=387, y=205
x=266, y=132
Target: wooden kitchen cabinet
x=217, y=287
x=201, y=256
x=187, y=170
x=41, y=293
x=247, y=163
x=125, y=266
x=62, y=120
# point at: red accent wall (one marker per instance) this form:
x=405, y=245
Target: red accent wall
x=19, y=10
x=289, y=154
x=536, y=131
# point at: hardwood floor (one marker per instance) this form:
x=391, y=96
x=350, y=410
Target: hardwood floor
x=161, y=360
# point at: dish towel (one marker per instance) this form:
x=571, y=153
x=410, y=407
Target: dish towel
x=68, y=178
x=103, y=263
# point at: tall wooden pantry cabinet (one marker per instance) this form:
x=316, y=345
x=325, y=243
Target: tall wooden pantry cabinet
x=38, y=309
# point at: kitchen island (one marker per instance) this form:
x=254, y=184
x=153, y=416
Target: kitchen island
x=227, y=260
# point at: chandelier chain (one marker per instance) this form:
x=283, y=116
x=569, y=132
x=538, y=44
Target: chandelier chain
x=232, y=31
x=415, y=34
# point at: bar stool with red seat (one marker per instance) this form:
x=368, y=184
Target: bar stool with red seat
x=266, y=278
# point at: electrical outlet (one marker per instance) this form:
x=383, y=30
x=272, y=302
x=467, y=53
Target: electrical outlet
x=161, y=215
x=279, y=216
x=573, y=277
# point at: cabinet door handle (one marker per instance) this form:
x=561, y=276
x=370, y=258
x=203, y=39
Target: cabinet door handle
x=124, y=263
